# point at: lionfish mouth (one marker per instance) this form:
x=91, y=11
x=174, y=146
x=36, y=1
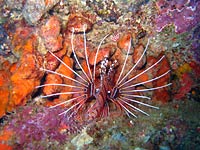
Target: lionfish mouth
x=95, y=95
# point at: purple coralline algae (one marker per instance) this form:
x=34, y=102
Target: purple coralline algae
x=196, y=44
x=34, y=128
x=183, y=14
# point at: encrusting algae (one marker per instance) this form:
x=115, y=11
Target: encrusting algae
x=58, y=80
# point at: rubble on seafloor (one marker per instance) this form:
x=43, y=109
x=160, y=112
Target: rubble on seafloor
x=32, y=32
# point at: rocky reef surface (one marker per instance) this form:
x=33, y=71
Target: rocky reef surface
x=45, y=50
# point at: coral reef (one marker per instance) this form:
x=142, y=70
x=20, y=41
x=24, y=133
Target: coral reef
x=195, y=48
x=74, y=74
x=169, y=135
x=79, y=23
x=81, y=140
x=184, y=15
x=4, y=87
x=186, y=86
x=52, y=78
x=32, y=127
x=4, y=42
x=22, y=77
x=188, y=75
x=33, y=10
x=15, y=4
x=50, y=32
x=164, y=92
x=26, y=74
x=108, y=10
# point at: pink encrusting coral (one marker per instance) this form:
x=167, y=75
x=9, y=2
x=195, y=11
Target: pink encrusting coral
x=32, y=127
x=183, y=14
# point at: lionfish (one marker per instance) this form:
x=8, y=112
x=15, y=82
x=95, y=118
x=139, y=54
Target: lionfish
x=94, y=96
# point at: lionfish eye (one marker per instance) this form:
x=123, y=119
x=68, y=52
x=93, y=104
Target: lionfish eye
x=97, y=90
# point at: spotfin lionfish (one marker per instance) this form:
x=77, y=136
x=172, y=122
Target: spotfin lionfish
x=97, y=96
